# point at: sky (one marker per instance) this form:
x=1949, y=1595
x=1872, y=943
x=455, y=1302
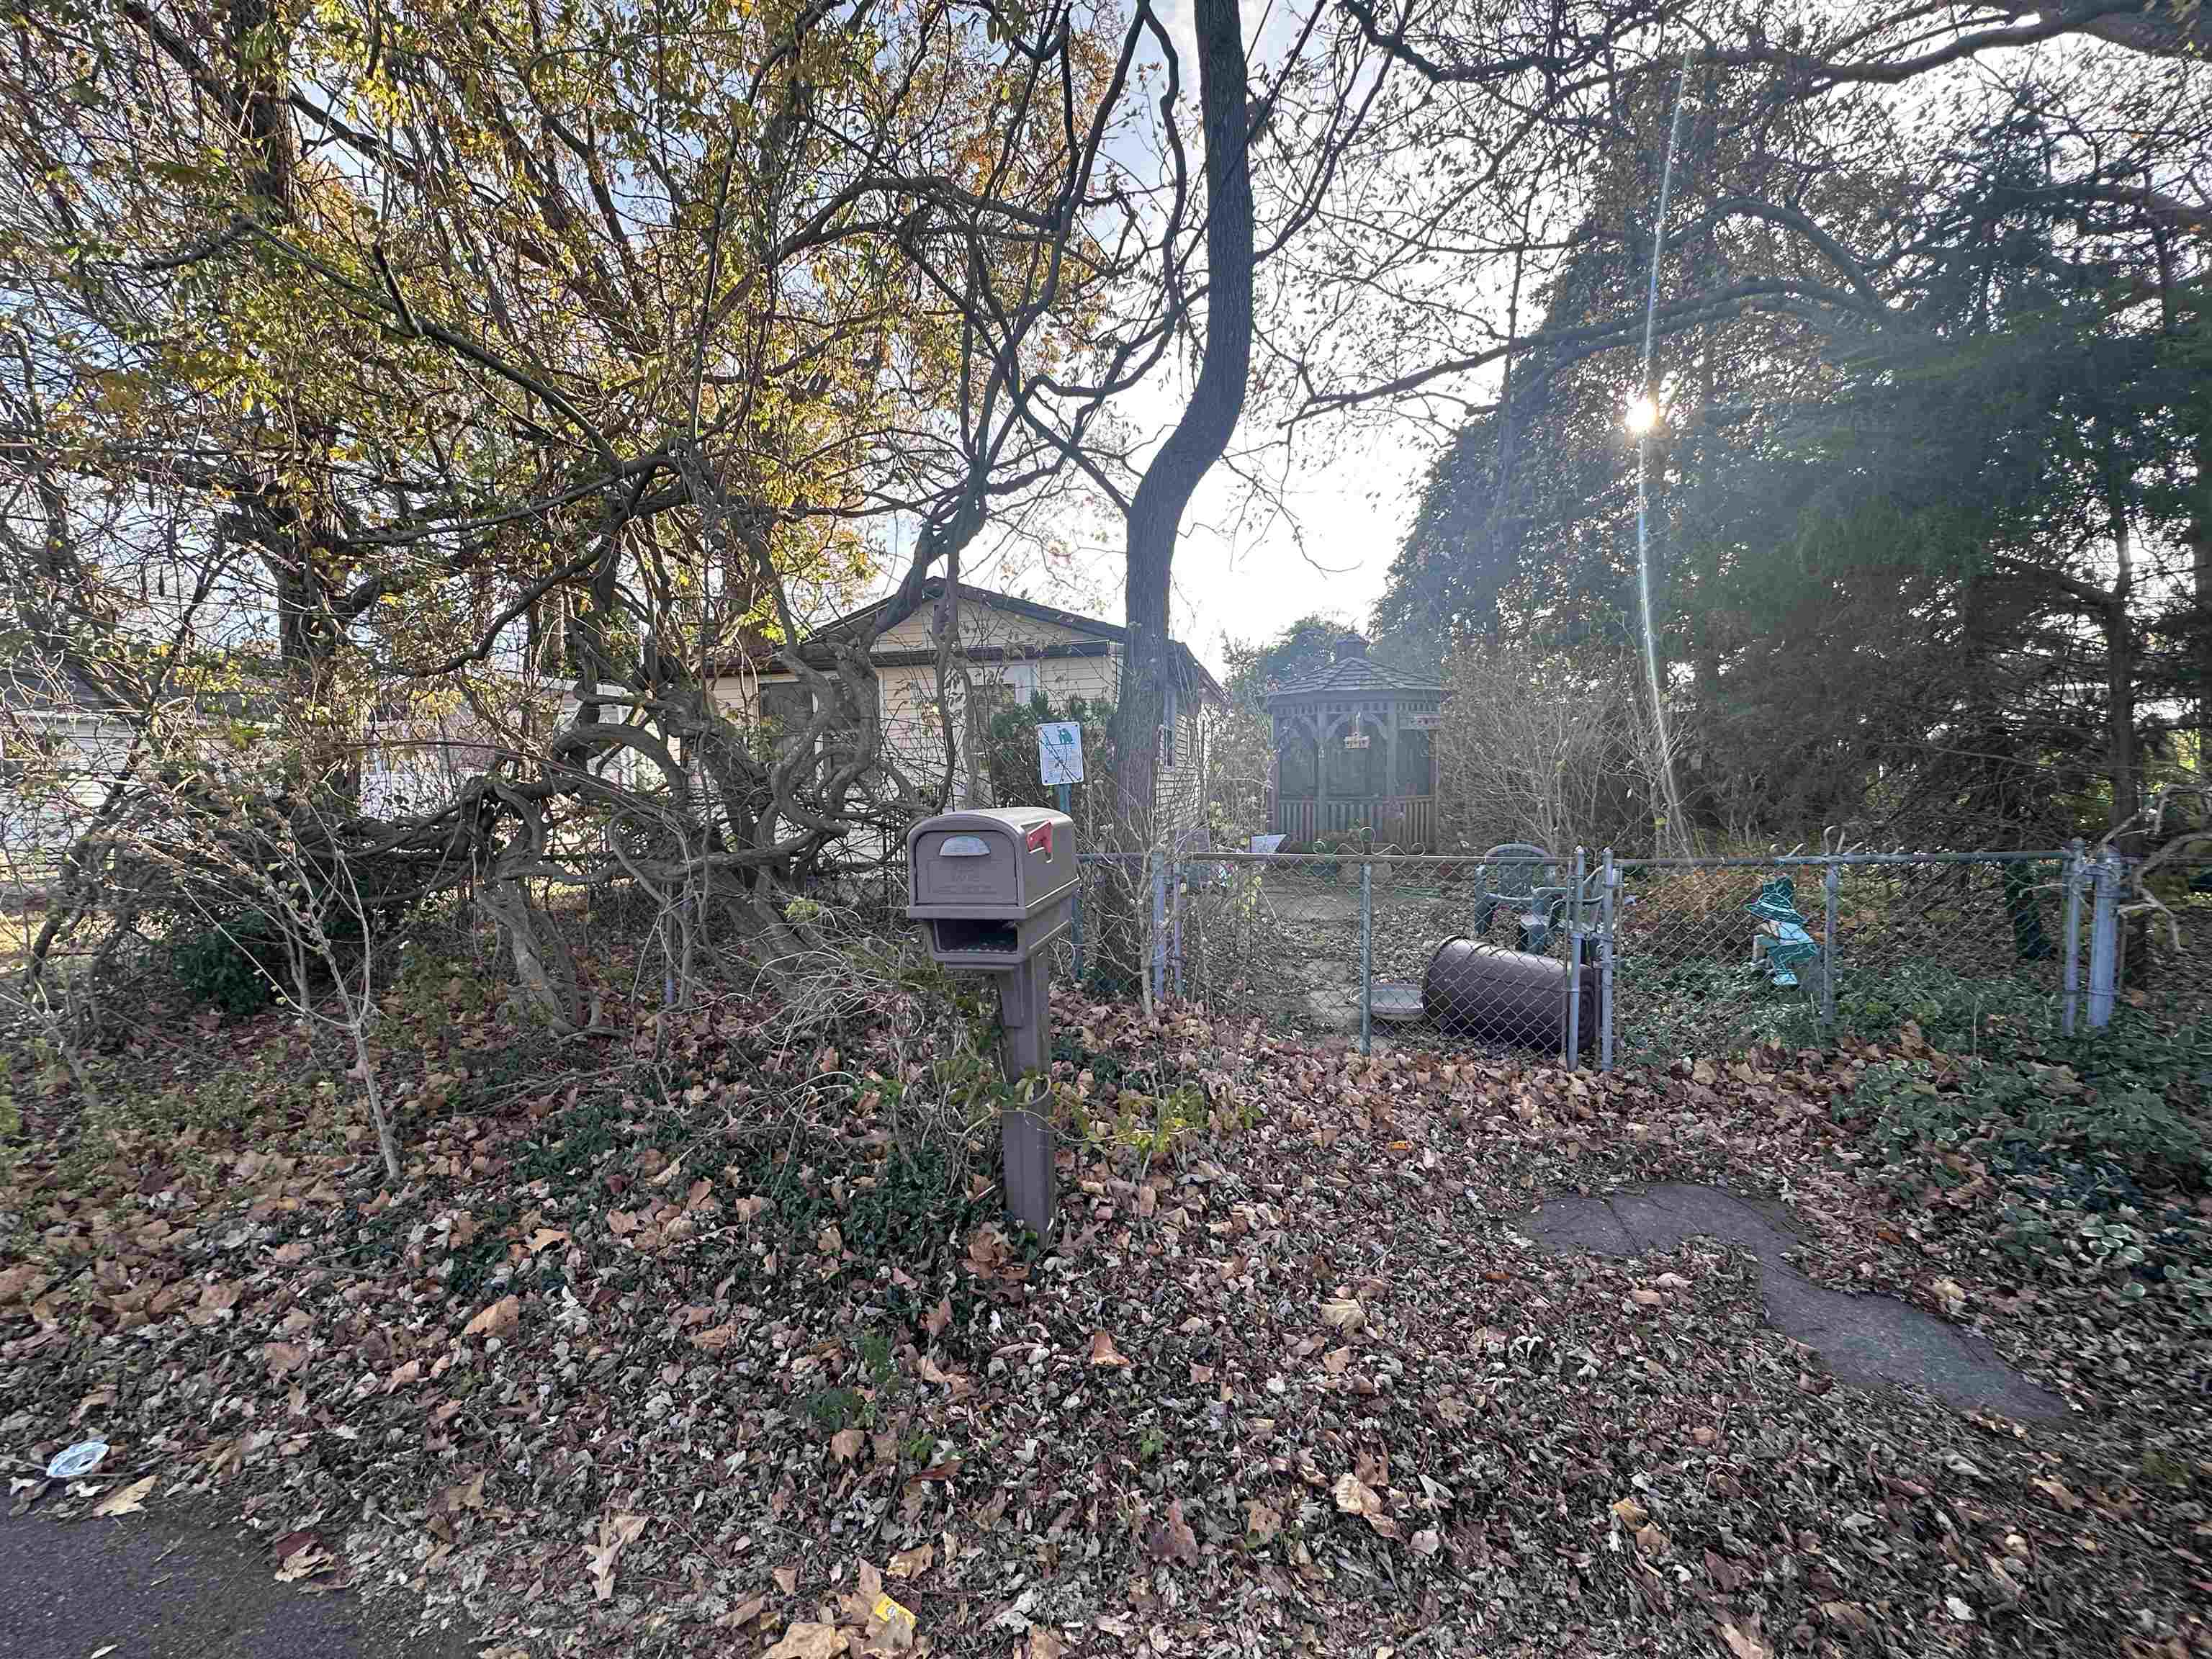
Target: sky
x=1241, y=573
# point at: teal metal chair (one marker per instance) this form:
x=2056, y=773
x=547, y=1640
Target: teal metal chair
x=1514, y=877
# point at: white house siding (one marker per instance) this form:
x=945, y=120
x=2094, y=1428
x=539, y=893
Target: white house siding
x=1025, y=654
x=55, y=771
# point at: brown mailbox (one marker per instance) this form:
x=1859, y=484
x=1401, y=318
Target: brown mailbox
x=996, y=886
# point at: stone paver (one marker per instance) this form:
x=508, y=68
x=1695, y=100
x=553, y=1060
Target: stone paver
x=1867, y=1340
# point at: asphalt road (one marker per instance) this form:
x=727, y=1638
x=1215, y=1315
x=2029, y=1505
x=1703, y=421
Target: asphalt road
x=175, y=1586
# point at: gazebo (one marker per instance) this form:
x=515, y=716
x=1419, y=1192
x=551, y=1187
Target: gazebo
x=1355, y=750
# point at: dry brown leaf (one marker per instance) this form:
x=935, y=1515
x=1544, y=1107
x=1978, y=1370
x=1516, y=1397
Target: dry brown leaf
x=1355, y=1497
x=939, y=1316
x=1171, y=1538
x=714, y=1339
x=1343, y=1313
x=1745, y=1644
x=787, y=1579
x=1426, y=1542
x=912, y=1563
x=497, y=1320
x=467, y=1495
x=1631, y=1514
x=545, y=1238
x=1043, y=1645
x=615, y=1531
x=126, y=1500
x=282, y=1358
x=1261, y=1522
x=846, y=1443
x=807, y=1640
x=1647, y=1298
x=1336, y=1361
x=1102, y=1351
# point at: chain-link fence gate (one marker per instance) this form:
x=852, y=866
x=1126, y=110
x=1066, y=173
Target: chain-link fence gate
x=1605, y=960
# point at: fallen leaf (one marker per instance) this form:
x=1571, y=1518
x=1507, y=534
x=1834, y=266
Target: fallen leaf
x=282, y=1358
x=545, y=1238
x=1631, y=1514
x=1744, y=1645
x=615, y=1531
x=787, y=1579
x=1343, y=1313
x=1172, y=1539
x=1043, y=1645
x=1102, y=1351
x=715, y=1340
x=126, y=1500
x=1261, y=1522
x=1426, y=1542
x=939, y=1316
x=807, y=1640
x=1355, y=1497
x=912, y=1563
x=497, y=1320
x=1951, y=1294
x=846, y=1443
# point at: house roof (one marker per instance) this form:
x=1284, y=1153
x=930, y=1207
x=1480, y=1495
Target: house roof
x=1352, y=676
x=886, y=614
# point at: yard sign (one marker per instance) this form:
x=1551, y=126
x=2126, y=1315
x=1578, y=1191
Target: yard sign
x=1059, y=751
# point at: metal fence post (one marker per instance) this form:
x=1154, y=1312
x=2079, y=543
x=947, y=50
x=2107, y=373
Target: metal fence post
x=1574, y=1054
x=1832, y=890
x=2070, y=970
x=1079, y=923
x=2104, y=941
x=1607, y=909
x=1179, y=875
x=1159, y=862
x=1367, y=955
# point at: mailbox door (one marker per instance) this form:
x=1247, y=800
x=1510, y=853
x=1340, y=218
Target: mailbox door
x=976, y=867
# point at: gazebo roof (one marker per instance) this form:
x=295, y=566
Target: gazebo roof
x=1352, y=676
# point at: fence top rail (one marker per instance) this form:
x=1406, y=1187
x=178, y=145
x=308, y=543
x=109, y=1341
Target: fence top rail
x=1818, y=859
x=1565, y=861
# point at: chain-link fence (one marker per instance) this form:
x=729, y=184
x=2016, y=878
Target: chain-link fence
x=1611, y=962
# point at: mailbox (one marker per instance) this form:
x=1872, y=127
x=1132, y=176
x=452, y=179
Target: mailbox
x=994, y=889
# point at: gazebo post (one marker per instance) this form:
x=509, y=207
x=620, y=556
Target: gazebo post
x=1390, y=758
x=1322, y=773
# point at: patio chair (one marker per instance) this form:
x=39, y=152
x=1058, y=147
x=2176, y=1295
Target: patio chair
x=1513, y=876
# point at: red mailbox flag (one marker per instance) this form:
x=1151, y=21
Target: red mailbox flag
x=1040, y=839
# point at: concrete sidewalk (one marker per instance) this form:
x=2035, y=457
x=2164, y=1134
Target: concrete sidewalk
x=178, y=1586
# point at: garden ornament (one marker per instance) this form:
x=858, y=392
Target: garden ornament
x=1780, y=943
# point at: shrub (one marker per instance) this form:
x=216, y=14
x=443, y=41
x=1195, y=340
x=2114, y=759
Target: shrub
x=233, y=965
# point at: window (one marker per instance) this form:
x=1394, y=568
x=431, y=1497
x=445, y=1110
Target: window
x=784, y=706
x=1005, y=685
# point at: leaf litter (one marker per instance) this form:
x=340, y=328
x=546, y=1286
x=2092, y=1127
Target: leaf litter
x=1299, y=1383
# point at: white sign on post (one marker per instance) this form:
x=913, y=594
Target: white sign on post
x=1059, y=751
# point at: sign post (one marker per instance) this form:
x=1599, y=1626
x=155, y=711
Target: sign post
x=1059, y=764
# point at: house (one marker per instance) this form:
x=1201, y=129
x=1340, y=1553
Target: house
x=1012, y=649
x=62, y=744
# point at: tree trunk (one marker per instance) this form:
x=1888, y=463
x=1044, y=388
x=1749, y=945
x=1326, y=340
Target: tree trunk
x=2199, y=537
x=2120, y=727
x=1196, y=443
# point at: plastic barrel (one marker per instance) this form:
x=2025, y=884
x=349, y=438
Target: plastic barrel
x=1504, y=996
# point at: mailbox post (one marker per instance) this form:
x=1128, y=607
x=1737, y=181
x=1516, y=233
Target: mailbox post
x=994, y=889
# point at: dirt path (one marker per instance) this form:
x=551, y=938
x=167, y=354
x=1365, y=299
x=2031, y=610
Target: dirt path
x=166, y=1587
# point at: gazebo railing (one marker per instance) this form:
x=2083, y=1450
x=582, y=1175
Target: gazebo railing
x=1403, y=821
